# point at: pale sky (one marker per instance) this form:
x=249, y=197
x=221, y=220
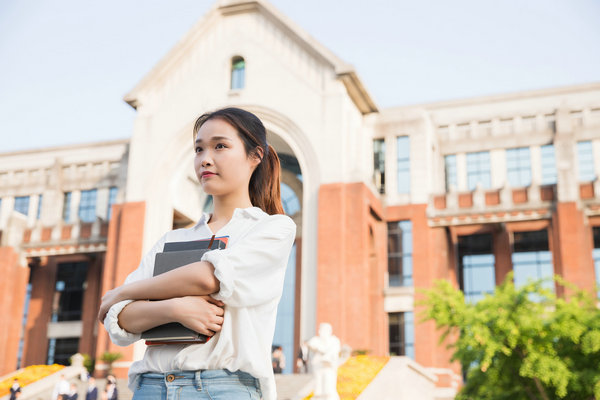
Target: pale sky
x=66, y=64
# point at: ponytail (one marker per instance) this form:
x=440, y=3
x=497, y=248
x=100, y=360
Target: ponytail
x=265, y=183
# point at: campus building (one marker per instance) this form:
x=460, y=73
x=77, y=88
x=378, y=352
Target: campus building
x=386, y=200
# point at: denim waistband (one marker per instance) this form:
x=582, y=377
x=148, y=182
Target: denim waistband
x=197, y=378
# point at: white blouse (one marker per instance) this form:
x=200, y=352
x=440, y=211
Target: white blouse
x=251, y=271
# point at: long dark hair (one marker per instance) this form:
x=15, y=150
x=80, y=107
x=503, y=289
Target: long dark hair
x=264, y=186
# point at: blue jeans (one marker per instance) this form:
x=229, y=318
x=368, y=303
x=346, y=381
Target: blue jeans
x=216, y=384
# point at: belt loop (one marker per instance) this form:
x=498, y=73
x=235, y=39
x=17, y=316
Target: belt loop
x=198, y=379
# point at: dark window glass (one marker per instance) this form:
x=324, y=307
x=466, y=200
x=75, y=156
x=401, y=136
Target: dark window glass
x=68, y=293
x=476, y=266
x=39, y=208
x=379, y=164
x=61, y=350
x=596, y=255
x=402, y=334
x=400, y=249
x=289, y=200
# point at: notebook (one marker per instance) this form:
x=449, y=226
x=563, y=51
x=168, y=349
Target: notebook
x=174, y=255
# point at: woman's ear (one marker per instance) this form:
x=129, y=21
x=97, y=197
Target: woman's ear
x=257, y=156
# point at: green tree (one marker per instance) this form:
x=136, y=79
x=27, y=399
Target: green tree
x=109, y=358
x=521, y=343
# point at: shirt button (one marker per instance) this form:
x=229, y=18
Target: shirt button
x=170, y=378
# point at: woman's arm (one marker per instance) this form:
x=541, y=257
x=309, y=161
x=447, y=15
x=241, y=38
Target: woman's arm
x=199, y=313
x=194, y=279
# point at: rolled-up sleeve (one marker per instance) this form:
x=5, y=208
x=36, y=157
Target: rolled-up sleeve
x=118, y=335
x=252, y=271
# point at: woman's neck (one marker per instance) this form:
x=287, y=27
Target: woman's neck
x=224, y=208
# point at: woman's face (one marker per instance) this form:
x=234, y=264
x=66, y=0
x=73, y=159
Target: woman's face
x=221, y=163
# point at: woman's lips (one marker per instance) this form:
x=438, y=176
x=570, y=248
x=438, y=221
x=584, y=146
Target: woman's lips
x=207, y=174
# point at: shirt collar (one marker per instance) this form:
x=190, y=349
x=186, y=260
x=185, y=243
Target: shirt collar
x=250, y=212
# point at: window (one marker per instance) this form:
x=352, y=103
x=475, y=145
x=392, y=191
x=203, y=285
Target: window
x=112, y=199
x=61, y=350
x=451, y=176
x=585, y=157
x=400, y=251
x=289, y=200
x=67, y=207
x=548, y=165
x=22, y=204
x=476, y=266
x=596, y=256
x=238, y=72
x=39, y=208
x=478, y=170
x=87, y=205
x=68, y=293
x=518, y=165
x=379, y=164
x=402, y=334
x=531, y=258
x=403, y=151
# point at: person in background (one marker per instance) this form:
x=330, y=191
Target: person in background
x=15, y=389
x=61, y=388
x=92, y=390
x=302, y=359
x=278, y=359
x=111, y=388
x=72, y=395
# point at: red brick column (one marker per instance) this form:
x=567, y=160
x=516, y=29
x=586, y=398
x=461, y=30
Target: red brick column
x=572, y=250
x=13, y=287
x=123, y=254
x=348, y=282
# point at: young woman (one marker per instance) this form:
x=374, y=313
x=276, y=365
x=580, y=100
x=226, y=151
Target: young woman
x=231, y=294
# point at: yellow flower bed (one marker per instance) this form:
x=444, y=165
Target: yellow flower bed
x=28, y=375
x=356, y=374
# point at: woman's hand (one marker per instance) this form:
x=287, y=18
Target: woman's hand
x=202, y=314
x=109, y=299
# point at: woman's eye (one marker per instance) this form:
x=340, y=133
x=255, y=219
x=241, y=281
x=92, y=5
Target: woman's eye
x=221, y=146
x=198, y=149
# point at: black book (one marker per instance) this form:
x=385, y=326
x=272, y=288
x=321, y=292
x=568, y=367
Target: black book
x=175, y=255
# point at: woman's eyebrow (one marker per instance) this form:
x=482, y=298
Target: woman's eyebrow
x=214, y=139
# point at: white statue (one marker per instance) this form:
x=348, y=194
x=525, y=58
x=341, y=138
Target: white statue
x=325, y=350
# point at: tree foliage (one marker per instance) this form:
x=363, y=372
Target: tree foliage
x=521, y=343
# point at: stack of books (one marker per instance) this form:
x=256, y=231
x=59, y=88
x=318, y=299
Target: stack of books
x=174, y=255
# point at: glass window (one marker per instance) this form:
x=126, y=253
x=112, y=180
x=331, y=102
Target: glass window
x=596, y=256
x=238, y=72
x=289, y=200
x=402, y=334
x=403, y=151
x=284, y=326
x=379, y=164
x=400, y=251
x=451, y=176
x=68, y=293
x=67, y=207
x=531, y=258
x=585, y=157
x=548, y=165
x=518, y=166
x=476, y=266
x=39, y=208
x=22, y=204
x=61, y=350
x=478, y=170
x=112, y=199
x=87, y=205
